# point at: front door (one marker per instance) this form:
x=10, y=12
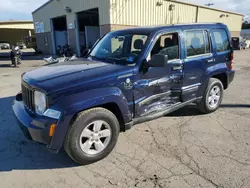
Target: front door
x=153, y=88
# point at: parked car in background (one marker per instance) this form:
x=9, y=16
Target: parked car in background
x=238, y=43
x=247, y=44
x=243, y=45
x=129, y=77
x=4, y=45
x=21, y=45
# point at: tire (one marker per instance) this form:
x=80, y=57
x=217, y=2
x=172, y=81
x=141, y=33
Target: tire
x=86, y=121
x=206, y=105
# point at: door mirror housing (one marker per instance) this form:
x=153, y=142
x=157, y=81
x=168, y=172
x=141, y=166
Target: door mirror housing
x=158, y=60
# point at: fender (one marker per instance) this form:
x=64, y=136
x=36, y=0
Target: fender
x=78, y=102
x=209, y=73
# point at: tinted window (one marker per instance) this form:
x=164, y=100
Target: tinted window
x=196, y=42
x=167, y=45
x=221, y=40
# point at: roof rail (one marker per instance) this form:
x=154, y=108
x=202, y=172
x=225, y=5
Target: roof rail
x=197, y=23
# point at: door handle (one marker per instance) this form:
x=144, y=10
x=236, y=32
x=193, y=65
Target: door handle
x=177, y=67
x=210, y=60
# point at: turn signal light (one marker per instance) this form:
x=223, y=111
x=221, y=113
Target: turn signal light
x=52, y=129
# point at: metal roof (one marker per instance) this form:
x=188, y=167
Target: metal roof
x=16, y=22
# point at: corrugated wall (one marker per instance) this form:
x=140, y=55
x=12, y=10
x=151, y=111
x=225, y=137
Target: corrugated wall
x=233, y=21
x=146, y=12
x=157, y=12
x=57, y=8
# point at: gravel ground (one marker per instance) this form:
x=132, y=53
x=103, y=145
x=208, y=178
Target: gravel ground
x=184, y=149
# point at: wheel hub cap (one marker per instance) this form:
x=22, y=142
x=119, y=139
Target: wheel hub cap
x=95, y=137
x=214, y=97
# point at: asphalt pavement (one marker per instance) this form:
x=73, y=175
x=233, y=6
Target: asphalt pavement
x=182, y=150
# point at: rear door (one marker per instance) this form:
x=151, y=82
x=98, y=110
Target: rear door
x=198, y=57
x=222, y=49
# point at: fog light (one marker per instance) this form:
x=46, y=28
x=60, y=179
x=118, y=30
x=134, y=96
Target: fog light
x=52, y=113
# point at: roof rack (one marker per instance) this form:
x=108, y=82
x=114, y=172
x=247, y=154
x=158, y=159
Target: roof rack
x=197, y=23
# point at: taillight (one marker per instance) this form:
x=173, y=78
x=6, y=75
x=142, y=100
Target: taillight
x=231, y=61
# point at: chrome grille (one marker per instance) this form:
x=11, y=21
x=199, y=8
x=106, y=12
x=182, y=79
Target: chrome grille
x=28, y=96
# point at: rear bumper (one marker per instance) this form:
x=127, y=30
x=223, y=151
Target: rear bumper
x=230, y=76
x=34, y=128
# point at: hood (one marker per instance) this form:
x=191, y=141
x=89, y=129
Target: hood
x=63, y=69
x=75, y=73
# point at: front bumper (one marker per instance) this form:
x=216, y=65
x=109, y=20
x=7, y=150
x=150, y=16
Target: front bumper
x=34, y=127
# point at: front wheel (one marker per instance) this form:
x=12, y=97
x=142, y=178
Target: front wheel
x=92, y=136
x=212, y=97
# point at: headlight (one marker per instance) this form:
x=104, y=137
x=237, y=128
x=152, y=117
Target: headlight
x=40, y=102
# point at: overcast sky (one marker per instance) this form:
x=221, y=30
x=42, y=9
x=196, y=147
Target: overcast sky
x=21, y=9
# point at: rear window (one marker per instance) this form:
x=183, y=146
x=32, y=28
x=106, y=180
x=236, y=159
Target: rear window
x=221, y=40
x=196, y=42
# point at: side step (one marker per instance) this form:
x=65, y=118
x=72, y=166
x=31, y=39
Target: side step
x=159, y=114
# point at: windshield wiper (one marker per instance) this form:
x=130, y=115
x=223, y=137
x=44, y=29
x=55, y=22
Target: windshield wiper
x=102, y=59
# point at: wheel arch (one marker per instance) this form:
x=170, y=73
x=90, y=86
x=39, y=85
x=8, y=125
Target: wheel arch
x=220, y=74
x=109, y=98
x=112, y=107
x=223, y=78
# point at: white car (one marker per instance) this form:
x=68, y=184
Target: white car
x=4, y=45
x=247, y=44
x=21, y=45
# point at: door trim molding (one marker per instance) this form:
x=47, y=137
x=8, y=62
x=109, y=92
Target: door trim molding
x=190, y=87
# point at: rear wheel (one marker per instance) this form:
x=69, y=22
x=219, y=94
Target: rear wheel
x=92, y=136
x=212, y=97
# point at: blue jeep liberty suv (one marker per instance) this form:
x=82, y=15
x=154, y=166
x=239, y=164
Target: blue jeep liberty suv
x=130, y=76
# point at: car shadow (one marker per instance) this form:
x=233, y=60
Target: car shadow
x=190, y=110
x=6, y=65
x=235, y=106
x=19, y=153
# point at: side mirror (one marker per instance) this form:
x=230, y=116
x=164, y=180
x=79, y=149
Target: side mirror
x=158, y=60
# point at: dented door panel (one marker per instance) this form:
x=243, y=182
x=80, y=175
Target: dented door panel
x=156, y=89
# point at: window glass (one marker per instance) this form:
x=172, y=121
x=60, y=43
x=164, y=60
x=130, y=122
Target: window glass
x=119, y=48
x=196, y=42
x=221, y=40
x=137, y=37
x=117, y=44
x=167, y=45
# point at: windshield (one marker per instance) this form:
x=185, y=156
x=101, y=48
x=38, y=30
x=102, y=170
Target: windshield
x=119, y=48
